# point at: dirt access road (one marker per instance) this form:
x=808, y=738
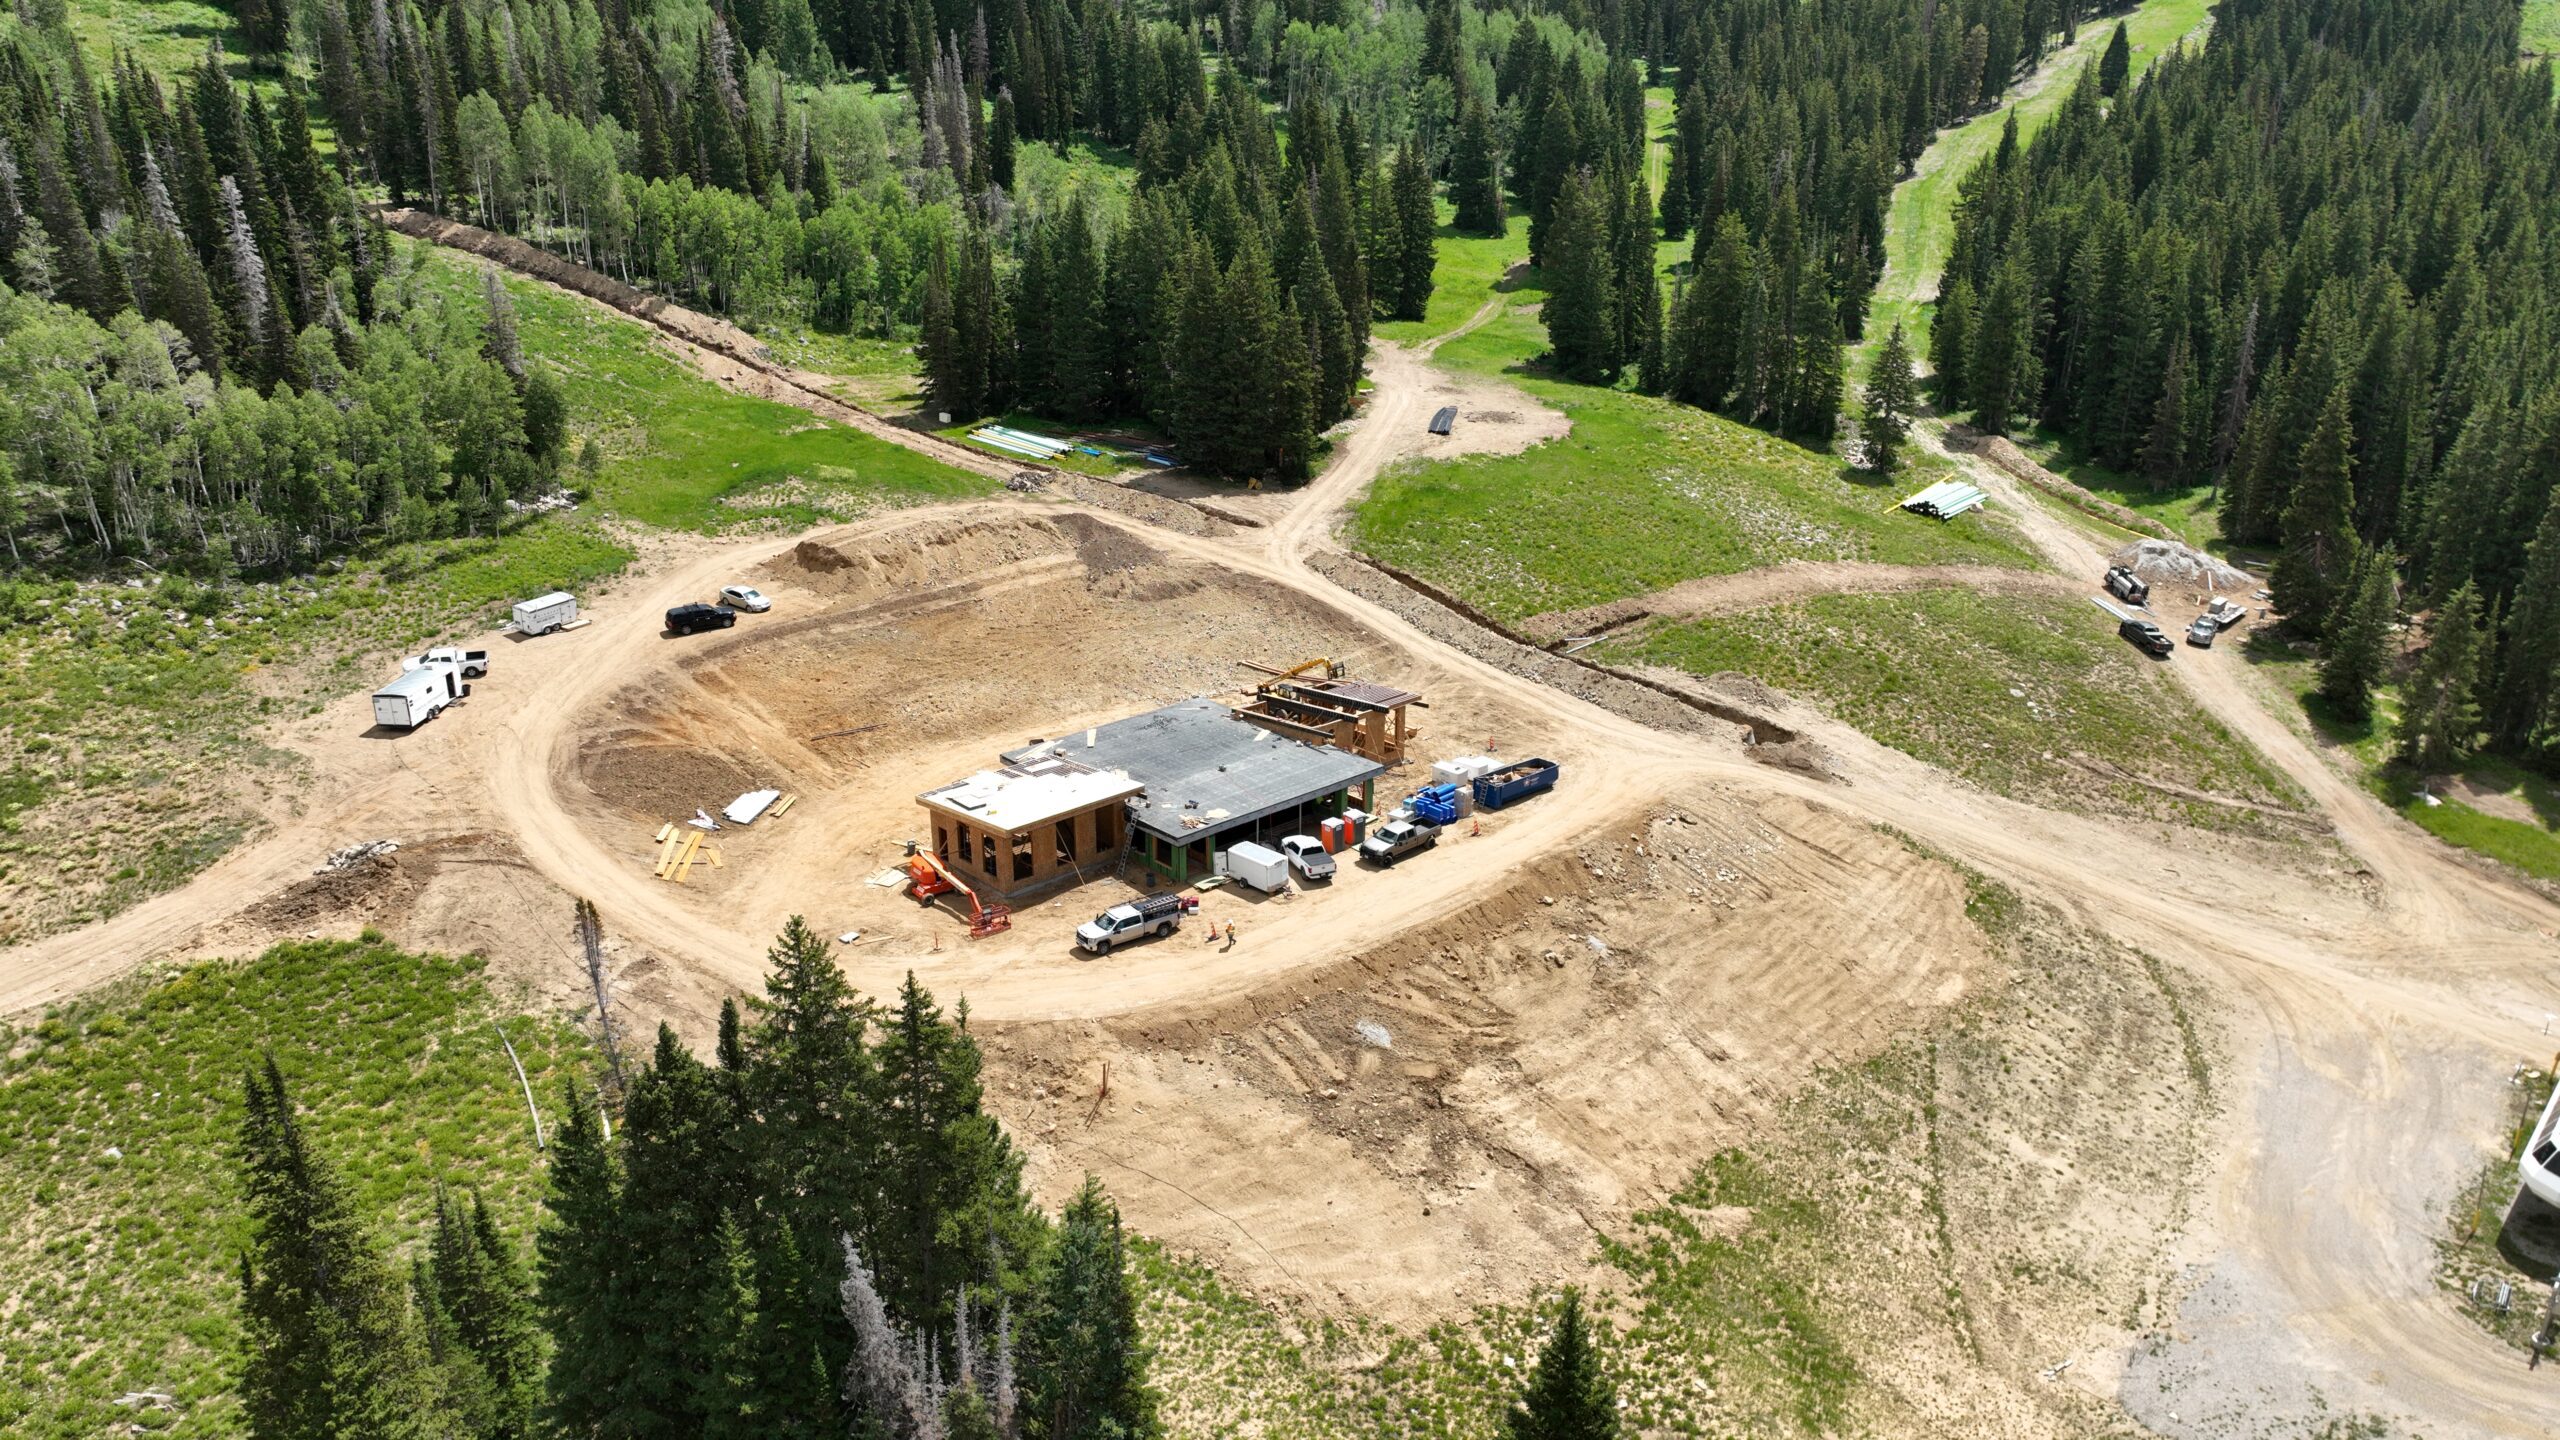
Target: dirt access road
x=2378, y=1014
x=2326, y=1213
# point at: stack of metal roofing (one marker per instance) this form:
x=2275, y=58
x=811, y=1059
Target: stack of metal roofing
x=1946, y=500
x=1021, y=442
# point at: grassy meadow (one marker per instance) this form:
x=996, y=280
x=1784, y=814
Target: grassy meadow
x=1919, y=227
x=2025, y=697
x=1641, y=494
x=120, y=1218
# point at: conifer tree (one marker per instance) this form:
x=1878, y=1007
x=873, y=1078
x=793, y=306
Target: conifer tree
x=1951, y=343
x=1417, y=224
x=809, y=1075
x=965, y=328
x=1706, y=331
x=2529, y=668
x=476, y=1285
x=1999, y=367
x=2440, y=708
x=2116, y=64
x=1567, y=1396
x=78, y=276
x=332, y=1342
x=1086, y=1356
x=2356, y=656
x=1475, y=173
x=954, y=1183
x=1812, y=410
x=1688, y=142
x=1890, y=400
x=1550, y=167
x=1635, y=297
x=681, y=1154
x=2319, y=524
x=1001, y=139
x=1578, y=294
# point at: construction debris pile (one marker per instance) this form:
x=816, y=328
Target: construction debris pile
x=355, y=855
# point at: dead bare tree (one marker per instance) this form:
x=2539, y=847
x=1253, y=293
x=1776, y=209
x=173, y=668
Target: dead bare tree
x=591, y=941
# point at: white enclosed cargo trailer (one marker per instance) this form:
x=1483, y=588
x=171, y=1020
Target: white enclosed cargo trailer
x=2539, y=1165
x=414, y=698
x=1259, y=866
x=545, y=613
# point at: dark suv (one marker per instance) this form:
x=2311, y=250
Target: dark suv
x=2147, y=638
x=694, y=619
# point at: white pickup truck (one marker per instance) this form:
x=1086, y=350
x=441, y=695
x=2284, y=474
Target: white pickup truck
x=472, y=663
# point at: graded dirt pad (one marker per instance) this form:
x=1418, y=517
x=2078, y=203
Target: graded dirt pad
x=1443, y=1118
x=906, y=654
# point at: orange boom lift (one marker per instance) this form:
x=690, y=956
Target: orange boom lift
x=928, y=878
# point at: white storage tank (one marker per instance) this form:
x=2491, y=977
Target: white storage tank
x=1459, y=769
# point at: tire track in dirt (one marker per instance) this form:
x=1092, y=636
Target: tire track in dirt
x=1788, y=581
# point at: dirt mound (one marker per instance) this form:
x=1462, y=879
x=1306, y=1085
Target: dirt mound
x=863, y=563
x=2175, y=566
x=376, y=888
x=667, y=782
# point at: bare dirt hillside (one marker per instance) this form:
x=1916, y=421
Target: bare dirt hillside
x=1482, y=1093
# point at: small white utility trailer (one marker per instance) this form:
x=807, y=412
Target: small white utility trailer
x=545, y=613
x=1259, y=866
x=414, y=698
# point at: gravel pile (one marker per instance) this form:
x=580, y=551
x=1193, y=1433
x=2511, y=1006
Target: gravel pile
x=2174, y=566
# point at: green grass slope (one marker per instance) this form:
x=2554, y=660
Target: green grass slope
x=128, y=705
x=1919, y=227
x=681, y=452
x=1642, y=494
x=120, y=1221
x=2013, y=694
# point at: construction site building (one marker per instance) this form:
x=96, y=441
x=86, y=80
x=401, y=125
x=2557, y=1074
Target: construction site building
x=1211, y=778
x=1360, y=716
x=1022, y=826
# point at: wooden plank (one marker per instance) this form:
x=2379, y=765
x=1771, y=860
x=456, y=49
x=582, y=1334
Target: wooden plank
x=684, y=865
x=667, y=851
x=783, y=807
x=664, y=831
x=714, y=856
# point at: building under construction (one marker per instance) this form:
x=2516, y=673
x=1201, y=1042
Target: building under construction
x=1209, y=777
x=1360, y=716
x=1171, y=788
x=1021, y=826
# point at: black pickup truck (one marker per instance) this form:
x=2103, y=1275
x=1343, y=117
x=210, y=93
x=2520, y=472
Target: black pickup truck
x=693, y=619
